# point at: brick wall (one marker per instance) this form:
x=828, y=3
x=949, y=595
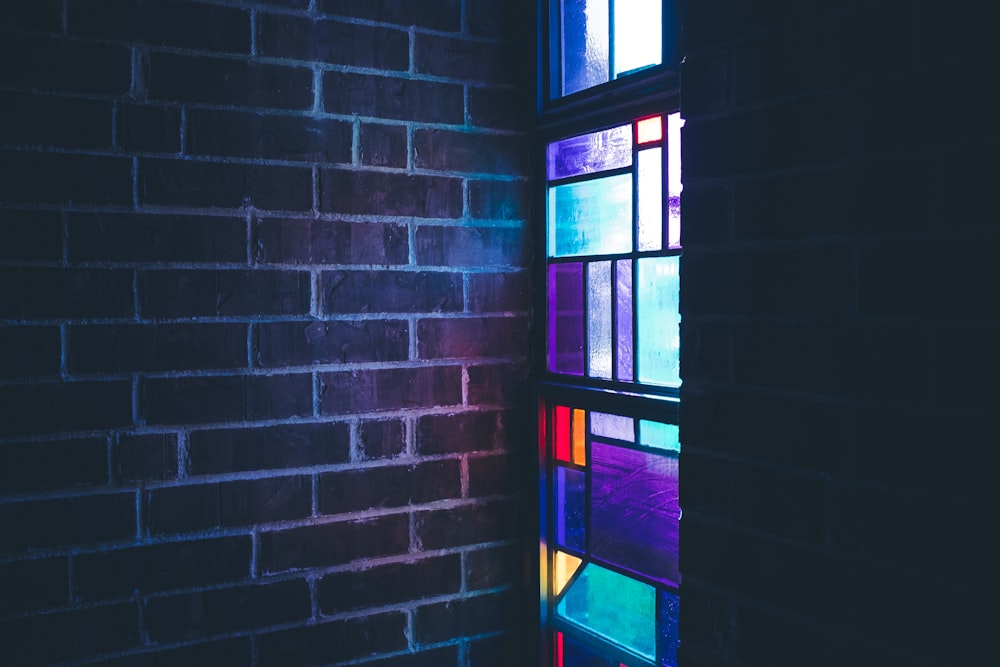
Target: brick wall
x=263, y=331
x=840, y=334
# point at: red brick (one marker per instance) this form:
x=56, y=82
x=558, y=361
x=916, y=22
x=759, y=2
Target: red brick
x=389, y=486
x=192, y=293
x=391, y=291
x=333, y=42
x=59, y=464
x=389, y=584
x=156, y=347
x=226, y=398
x=325, y=544
x=269, y=447
x=330, y=242
x=468, y=338
x=156, y=238
x=317, y=342
x=379, y=193
x=334, y=641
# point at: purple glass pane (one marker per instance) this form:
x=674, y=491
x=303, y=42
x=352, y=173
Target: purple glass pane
x=585, y=37
x=599, y=319
x=623, y=301
x=590, y=153
x=566, y=318
x=570, y=500
x=634, y=511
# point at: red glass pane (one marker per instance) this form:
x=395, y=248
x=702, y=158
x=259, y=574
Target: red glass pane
x=648, y=130
x=561, y=433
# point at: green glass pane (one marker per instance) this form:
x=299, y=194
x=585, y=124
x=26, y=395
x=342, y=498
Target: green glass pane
x=658, y=297
x=619, y=609
x=591, y=217
x=659, y=435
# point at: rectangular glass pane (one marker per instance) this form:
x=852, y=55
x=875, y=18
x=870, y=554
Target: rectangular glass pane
x=638, y=39
x=561, y=433
x=634, y=511
x=571, y=529
x=650, y=198
x=589, y=153
x=658, y=288
x=613, y=606
x=659, y=435
x=674, y=187
x=607, y=425
x=591, y=217
x=580, y=437
x=585, y=33
x=624, y=359
x=599, y=318
x=565, y=344
x=669, y=613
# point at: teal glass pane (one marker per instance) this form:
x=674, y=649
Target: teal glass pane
x=613, y=606
x=585, y=36
x=659, y=435
x=589, y=153
x=658, y=300
x=599, y=318
x=591, y=217
x=638, y=38
x=650, y=196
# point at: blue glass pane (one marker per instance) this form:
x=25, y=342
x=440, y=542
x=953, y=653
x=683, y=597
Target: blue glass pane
x=589, y=153
x=599, y=318
x=619, y=609
x=638, y=35
x=669, y=613
x=571, y=530
x=578, y=654
x=650, y=196
x=634, y=511
x=591, y=217
x=658, y=291
x=659, y=435
x=585, y=36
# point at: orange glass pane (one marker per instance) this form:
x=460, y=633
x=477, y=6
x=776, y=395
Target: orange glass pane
x=580, y=437
x=564, y=566
x=649, y=129
x=561, y=433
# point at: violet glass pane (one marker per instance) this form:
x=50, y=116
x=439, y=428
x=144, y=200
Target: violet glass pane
x=638, y=39
x=613, y=606
x=623, y=301
x=590, y=153
x=650, y=199
x=591, y=217
x=669, y=613
x=674, y=186
x=634, y=511
x=570, y=494
x=565, y=345
x=607, y=425
x=585, y=36
x=599, y=318
x=658, y=287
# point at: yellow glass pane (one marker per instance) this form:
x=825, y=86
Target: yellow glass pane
x=564, y=566
x=580, y=437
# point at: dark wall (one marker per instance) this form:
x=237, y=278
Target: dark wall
x=840, y=334
x=263, y=331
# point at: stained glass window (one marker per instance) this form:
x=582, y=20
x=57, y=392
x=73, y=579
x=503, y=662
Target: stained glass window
x=609, y=441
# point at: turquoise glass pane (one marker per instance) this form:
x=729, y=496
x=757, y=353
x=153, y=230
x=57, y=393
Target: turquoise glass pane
x=585, y=36
x=607, y=425
x=624, y=357
x=591, y=217
x=613, y=606
x=650, y=196
x=589, y=153
x=638, y=39
x=659, y=435
x=599, y=318
x=658, y=300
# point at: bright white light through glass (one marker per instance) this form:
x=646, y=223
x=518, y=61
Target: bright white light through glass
x=638, y=36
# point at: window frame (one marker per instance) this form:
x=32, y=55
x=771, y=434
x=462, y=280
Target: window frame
x=646, y=92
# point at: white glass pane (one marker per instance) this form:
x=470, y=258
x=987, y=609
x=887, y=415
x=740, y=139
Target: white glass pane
x=584, y=44
x=607, y=425
x=674, y=125
x=650, y=197
x=638, y=34
x=599, y=318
